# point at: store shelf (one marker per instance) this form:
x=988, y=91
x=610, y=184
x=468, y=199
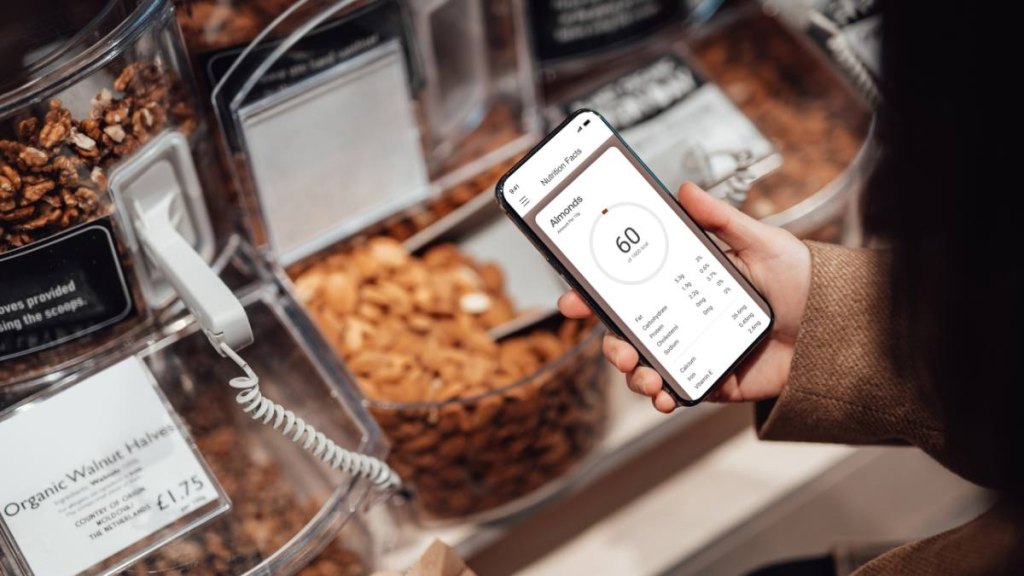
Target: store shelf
x=693, y=508
x=877, y=496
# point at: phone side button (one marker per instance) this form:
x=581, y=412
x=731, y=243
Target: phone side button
x=561, y=275
x=552, y=264
x=558, y=269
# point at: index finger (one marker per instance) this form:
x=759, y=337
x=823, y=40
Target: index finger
x=572, y=306
x=733, y=227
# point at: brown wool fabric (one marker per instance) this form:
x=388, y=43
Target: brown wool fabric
x=845, y=388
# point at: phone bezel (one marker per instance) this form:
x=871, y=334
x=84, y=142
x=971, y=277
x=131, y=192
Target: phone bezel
x=680, y=396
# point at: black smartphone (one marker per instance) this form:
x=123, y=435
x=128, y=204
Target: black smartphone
x=627, y=246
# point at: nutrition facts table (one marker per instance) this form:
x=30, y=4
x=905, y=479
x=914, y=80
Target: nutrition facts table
x=709, y=305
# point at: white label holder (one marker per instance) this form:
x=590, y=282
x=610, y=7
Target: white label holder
x=343, y=164
x=98, y=474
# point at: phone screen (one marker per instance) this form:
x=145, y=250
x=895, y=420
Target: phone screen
x=621, y=240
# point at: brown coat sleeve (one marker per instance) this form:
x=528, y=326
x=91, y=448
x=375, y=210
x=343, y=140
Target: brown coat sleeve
x=992, y=543
x=843, y=386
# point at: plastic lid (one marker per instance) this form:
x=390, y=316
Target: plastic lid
x=47, y=45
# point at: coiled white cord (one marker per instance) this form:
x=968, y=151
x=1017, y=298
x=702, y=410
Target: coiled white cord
x=261, y=408
x=848, y=59
x=859, y=73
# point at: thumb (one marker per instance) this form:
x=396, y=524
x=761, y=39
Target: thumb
x=716, y=216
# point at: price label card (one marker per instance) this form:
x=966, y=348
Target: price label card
x=99, y=474
x=564, y=30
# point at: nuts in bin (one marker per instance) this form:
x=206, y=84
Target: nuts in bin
x=53, y=175
x=266, y=510
x=474, y=423
x=794, y=99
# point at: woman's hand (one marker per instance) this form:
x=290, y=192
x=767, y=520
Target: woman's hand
x=774, y=261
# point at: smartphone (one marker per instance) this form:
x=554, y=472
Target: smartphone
x=627, y=246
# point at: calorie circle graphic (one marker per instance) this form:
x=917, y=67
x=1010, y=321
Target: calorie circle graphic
x=646, y=256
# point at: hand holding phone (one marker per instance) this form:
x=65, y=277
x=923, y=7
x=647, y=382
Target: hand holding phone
x=778, y=265
x=639, y=261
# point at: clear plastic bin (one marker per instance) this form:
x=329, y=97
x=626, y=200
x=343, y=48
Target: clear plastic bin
x=303, y=215
x=289, y=512
x=819, y=123
x=87, y=86
x=470, y=77
x=488, y=456
x=481, y=423
x=777, y=81
x=287, y=507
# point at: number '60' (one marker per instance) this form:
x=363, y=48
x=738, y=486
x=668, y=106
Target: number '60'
x=632, y=238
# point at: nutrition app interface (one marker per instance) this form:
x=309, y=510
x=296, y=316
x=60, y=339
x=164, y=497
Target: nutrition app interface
x=591, y=202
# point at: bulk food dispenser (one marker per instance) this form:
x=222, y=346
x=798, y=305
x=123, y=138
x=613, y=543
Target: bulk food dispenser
x=625, y=60
x=412, y=280
x=732, y=98
x=127, y=425
x=475, y=106
x=86, y=93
